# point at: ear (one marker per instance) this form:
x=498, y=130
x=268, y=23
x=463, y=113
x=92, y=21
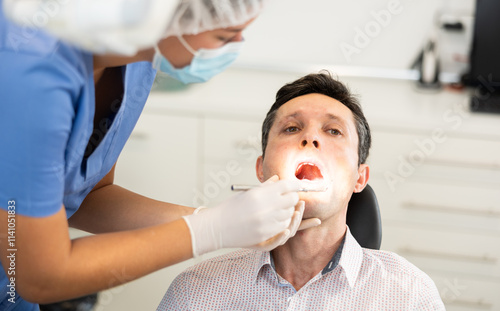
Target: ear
x=363, y=176
x=259, y=170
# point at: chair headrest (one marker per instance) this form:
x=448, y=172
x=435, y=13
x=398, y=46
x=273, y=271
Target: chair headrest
x=363, y=218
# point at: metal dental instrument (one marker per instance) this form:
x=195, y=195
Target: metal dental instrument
x=303, y=189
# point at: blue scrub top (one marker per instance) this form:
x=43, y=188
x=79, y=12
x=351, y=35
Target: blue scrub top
x=47, y=107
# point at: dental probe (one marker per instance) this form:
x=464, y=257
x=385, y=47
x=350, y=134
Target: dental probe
x=303, y=189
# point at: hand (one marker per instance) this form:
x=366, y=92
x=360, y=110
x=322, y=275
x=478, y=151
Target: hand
x=296, y=224
x=246, y=219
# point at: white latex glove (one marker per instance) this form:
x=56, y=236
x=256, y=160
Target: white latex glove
x=246, y=219
x=296, y=224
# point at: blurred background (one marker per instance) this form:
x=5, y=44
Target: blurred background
x=435, y=160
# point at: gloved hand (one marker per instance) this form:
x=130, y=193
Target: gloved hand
x=296, y=224
x=246, y=219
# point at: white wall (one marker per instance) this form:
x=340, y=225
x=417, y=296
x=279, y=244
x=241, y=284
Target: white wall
x=298, y=32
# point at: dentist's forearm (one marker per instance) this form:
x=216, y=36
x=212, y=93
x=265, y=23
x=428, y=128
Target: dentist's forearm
x=50, y=267
x=113, y=208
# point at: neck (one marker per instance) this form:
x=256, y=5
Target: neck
x=309, y=251
x=101, y=62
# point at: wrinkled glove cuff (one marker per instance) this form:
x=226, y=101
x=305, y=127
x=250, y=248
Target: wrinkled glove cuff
x=199, y=209
x=204, y=234
x=193, y=240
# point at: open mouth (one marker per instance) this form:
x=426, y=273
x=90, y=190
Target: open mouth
x=308, y=171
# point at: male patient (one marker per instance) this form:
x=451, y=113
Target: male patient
x=315, y=130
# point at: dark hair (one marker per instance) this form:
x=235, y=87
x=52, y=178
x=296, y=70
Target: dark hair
x=321, y=83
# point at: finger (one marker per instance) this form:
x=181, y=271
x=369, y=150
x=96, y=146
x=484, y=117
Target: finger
x=294, y=224
x=288, y=185
x=282, y=186
x=282, y=215
x=309, y=223
x=297, y=218
x=271, y=180
x=288, y=199
x=284, y=238
x=300, y=206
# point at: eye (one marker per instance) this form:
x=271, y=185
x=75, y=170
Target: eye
x=224, y=39
x=292, y=129
x=334, y=132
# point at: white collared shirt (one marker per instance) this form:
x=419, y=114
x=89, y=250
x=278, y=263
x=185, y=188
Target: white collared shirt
x=363, y=279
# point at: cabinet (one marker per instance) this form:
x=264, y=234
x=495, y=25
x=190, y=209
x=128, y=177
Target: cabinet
x=435, y=169
x=231, y=148
x=440, y=210
x=160, y=159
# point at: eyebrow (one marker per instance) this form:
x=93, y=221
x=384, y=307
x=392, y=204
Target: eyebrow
x=235, y=30
x=329, y=115
x=336, y=118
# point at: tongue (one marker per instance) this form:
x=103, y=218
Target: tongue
x=308, y=171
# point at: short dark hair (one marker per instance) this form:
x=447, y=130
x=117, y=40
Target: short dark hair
x=321, y=83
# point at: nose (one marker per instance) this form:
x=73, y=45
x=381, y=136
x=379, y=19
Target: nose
x=310, y=137
x=310, y=142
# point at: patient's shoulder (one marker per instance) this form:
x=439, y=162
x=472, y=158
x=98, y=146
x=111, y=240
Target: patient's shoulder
x=237, y=262
x=388, y=260
x=239, y=256
x=393, y=273
x=388, y=264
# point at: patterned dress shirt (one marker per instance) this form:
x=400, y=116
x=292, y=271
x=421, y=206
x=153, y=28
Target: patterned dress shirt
x=355, y=279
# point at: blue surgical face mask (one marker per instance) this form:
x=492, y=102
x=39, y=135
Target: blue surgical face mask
x=206, y=63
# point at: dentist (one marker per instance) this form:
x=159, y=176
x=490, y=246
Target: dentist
x=65, y=115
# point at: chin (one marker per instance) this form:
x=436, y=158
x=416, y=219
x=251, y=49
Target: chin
x=315, y=198
x=313, y=208
x=318, y=204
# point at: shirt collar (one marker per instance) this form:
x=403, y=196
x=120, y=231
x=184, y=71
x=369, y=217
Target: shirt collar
x=261, y=259
x=351, y=259
x=349, y=256
x=334, y=262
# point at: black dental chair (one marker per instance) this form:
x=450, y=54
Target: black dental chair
x=85, y=303
x=363, y=218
